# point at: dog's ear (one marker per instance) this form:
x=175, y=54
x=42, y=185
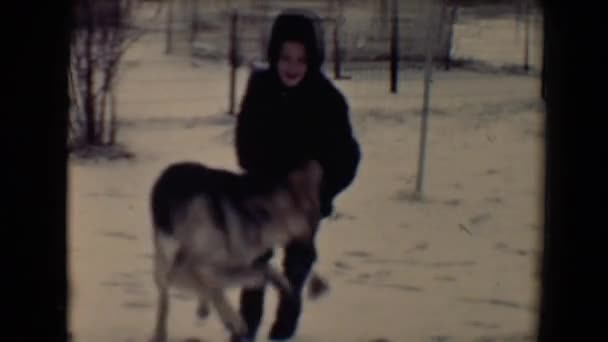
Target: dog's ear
x=314, y=172
x=305, y=183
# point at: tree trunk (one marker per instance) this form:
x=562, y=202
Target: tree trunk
x=113, y=120
x=89, y=100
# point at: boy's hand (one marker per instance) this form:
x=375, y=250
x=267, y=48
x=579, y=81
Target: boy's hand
x=317, y=286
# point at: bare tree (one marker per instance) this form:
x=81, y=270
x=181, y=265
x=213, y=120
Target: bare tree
x=102, y=33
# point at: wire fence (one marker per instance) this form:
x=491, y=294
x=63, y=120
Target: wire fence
x=481, y=37
x=383, y=46
x=366, y=40
x=360, y=33
x=358, y=37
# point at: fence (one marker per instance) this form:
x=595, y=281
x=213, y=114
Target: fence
x=362, y=42
x=363, y=39
x=358, y=33
x=358, y=30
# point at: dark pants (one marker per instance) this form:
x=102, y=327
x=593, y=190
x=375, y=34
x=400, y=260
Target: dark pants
x=297, y=264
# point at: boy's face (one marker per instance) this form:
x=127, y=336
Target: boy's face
x=292, y=64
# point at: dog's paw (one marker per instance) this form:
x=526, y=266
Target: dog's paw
x=279, y=281
x=317, y=287
x=284, y=286
x=237, y=327
x=159, y=338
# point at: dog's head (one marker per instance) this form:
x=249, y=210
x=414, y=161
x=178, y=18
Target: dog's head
x=300, y=200
x=292, y=208
x=305, y=186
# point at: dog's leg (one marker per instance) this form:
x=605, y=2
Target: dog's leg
x=242, y=277
x=256, y=277
x=210, y=282
x=276, y=278
x=162, y=310
x=229, y=316
x=203, y=310
x=165, y=256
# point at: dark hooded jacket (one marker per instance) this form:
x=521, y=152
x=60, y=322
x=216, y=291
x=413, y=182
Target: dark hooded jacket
x=278, y=127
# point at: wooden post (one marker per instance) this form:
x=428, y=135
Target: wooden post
x=442, y=20
x=169, y=29
x=339, y=20
x=451, y=11
x=527, y=35
x=233, y=59
x=394, y=64
x=383, y=16
x=428, y=68
x=337, y=55
x=195, y=20
x=264, y=8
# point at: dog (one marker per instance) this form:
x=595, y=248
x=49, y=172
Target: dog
x=209, y=226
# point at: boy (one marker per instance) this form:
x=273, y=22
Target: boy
x=291, y=113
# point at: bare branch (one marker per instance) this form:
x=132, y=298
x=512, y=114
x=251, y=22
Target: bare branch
x=103, y=34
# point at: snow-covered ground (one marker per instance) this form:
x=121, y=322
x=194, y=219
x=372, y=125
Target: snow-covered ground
x=459, y=266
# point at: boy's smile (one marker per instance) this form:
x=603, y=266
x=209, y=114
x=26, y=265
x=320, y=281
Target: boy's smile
x=292, y=65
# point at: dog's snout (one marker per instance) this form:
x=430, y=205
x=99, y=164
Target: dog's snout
x=312, y=223
x=305, y=231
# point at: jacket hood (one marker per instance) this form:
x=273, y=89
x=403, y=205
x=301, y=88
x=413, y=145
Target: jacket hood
x=301, y=26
